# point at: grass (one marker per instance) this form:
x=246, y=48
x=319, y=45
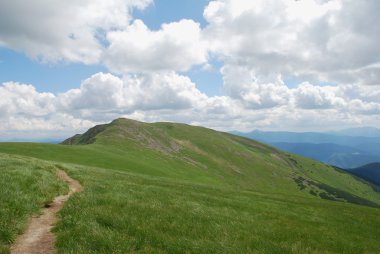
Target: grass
x=173, y=188
x=26, y=185
x=125, y=213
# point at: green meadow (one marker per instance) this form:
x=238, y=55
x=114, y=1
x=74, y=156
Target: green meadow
x=174, y=188
x=26, y=185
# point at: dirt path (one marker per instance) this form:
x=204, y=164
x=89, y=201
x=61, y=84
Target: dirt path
x=38, y=237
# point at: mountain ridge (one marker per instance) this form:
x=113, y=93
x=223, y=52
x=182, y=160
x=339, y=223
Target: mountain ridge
x=178, y=141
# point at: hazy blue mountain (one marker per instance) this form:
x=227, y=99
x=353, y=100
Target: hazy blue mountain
x=359, y=132
x=344, y=151
x=373, y=148
x=369, y=172
x=41, y=140
x=333, y=154
x=309, y=137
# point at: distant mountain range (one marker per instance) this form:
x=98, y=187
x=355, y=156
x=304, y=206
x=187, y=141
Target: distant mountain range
x=359, y=132
x=330, y=153
x=347, y=149
x=31, y=140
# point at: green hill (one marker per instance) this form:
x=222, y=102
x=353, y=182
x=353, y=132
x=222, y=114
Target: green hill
x=175, y=188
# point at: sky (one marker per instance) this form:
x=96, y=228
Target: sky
x=306, y=65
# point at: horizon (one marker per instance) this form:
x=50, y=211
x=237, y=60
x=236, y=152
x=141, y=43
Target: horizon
x=345, y=132
x=298, y=66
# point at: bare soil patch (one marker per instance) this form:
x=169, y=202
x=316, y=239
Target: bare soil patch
x=38, y=238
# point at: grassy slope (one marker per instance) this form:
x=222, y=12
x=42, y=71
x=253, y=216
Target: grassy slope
x=25, y=186
x=123, y=212
x=177, y=188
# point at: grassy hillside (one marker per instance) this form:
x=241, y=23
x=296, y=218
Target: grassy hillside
x=174, y=188
x=26, y=185
x=127, y=213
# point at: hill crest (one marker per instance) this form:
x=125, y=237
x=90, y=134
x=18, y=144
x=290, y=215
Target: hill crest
x=220, y=157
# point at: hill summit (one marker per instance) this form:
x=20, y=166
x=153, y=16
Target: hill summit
x=197, y=153
x=124, y=132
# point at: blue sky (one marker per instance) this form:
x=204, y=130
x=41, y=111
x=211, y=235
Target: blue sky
x=49, y=77
x=166, y=11
x=305, y=65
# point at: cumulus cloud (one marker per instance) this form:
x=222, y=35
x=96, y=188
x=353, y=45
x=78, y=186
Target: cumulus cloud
x=99, y=92
x=176, y=46
x=62, y=30
x=254, y=91
x=26, y=113
x=22, y=99
x=333, y=40
x=98, y=31
x=309, y=96
x=106, y=95
x=172, y=97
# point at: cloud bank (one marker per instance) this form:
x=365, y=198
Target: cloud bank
x=173, y=97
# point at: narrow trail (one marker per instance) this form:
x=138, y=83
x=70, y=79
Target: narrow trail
x=38, y=238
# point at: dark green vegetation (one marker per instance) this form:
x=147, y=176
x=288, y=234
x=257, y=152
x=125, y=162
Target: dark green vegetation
x=26, y=185
x=174, y=188
x=369, y=172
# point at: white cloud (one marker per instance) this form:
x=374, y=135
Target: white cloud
x=22, y=99
x=105, y=96
x=62, y=30
x=99, y=92
x=253, y=91
x=28, y=114
x=172, y=97
x=99, y=31
x=365, y=108
x=176, y=46
x=308, y=96
x=335, y=40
